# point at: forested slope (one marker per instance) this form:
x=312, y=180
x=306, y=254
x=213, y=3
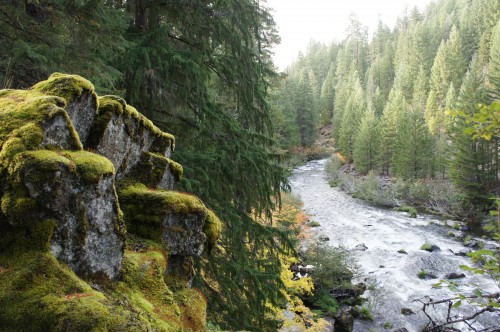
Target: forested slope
x=390, y=96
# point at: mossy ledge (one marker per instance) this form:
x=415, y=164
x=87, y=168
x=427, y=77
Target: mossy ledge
x=67, y=259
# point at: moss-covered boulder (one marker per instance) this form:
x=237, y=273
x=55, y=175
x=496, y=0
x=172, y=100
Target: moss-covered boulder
x=81, y=100
x=68, y=261
x=122, y=135
x=173, y=218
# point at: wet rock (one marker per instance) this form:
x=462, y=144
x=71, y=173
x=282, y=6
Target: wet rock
x=472, y=244
x=342, y=293
x=454, y=275
x=344, y=320
x=361, y=247
x=490, y=246
x=407, y=311
x=425, y=275
x=430, y=247
x=381, y=266
x=462, y=252
x=323, y=238
x=403, y=329
x=464, y=228
x=449, y=223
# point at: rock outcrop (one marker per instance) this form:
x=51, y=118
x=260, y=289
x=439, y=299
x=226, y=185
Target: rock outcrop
x=84, y=182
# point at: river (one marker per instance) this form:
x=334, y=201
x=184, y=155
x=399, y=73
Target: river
x=349, y=222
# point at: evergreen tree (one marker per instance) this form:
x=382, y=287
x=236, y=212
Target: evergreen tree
x=470, y=168
x=352, y=113
x=328, y=96
x=412, y=147
x=389, y=125
x=366, y=144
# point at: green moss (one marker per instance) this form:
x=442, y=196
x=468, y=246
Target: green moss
x=65, y=86
x=22, y=113
x=113, y=105
x=212, y=229
x=91, y=167
x=163, y=139
x=145, y=209
x=426, y=247
x=37, y=293
x=152, y=167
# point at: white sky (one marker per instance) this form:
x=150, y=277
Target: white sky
x=299, y=21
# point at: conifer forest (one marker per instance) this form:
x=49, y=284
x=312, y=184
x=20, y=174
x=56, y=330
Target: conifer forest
x=148, y=148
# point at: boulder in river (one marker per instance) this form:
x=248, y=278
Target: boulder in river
x=361, y=247
x=462, y=252
x=344, y=319
x=323, y=238
x=454, y=275
x=407, y=311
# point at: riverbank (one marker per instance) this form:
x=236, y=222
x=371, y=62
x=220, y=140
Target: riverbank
x=391, y=256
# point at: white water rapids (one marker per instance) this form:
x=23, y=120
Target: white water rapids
x=349, y=222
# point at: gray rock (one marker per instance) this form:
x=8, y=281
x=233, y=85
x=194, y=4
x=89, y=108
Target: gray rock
x=454, y=275
x=58, y=133
x=464, y=228
x=472, y=244
x=407, y=311
x=323, y=238
x=361, y=247
x=82, y=111
x=344, y=320
x=89, y=233
x=183, y=234
x=462, y=252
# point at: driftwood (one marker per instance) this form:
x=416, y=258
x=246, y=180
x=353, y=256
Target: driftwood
x=435, y=325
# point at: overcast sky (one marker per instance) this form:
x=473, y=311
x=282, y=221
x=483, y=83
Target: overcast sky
x=299, y=21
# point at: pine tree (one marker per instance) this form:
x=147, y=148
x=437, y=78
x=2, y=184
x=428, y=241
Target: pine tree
x=328, y=96
x=470, y=168
x=353, y=112
x=389, y=125
x=366, y=144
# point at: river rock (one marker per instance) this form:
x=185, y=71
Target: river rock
x=449, y=223
x=464, y=228
x=454, y=275
x=323, y=238
x=407, y=311
x=472, y=244
x=361, y=247
x=403, y=329
x=344, y=320
x=462, y=252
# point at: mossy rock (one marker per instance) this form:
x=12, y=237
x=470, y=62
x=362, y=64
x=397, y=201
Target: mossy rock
x=156, y=171
x=175, y=218
x=80, y=97
x=31, y=121
x=123, y=135
x=37, y=293
x=75, y=189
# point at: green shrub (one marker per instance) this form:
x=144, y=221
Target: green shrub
x=411, y=210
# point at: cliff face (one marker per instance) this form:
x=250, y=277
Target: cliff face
x=92, y=236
